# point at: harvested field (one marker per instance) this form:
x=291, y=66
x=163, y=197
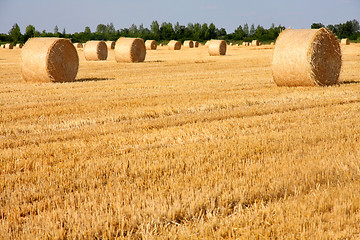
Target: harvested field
x=181, y=146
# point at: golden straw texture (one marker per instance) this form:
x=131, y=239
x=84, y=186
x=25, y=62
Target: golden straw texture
x=306, y=57
x=345, y=41
x=95, y=51
x=49, y=60
x=217, y=47
x=130, y=50
x=188, y=44
x=151, y=44
x=110, y=44
x=174, y=45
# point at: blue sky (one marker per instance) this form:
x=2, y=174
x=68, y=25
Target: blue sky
x=75, y=15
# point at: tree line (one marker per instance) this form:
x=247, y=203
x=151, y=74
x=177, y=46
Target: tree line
x=166, y=31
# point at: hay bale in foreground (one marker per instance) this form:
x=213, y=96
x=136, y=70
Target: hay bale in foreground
x=110, y=45
x=78, y=45
x=49, y=60
x=255, y=43
x=217, y=47
x=345, y=41
x=95, y=51
x=207, y=44
x=174, y=45
x=19, y=45
x=196, y=44
x=9, y=46
x=306, y=57
x=130, y=50
x=188, y=44
x=151, y=45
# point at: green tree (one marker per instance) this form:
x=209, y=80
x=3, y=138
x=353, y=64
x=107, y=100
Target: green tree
x=15, y=33
x=239, y=33
x=155, y=30
x=29, y=32
x=252, y=30
x=317, y=25
x=246, y=30
x=56, y=30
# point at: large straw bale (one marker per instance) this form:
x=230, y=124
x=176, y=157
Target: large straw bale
x=174, y=45
x=19, y=45
x=196, y=44
x=49, y=60
x=9, y=46
x=255, y=43
x=130, y=50
x=110, y=45
x=217, y=47
x=306, y=57
x=151, y=44
x=345, y=41
x=188, y=44
x=95, y=51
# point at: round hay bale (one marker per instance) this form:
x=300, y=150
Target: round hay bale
x=95, y=51
x=196, y=44
x=151, y=44
x=174, y=45
x=244, y=44
x=78, y=45
x=2, y=45
x=49, y=60
x=207, y=43
x=161, y=44
x=345, y=41
x=306, y=57
x=217, y=47
x=130, y=50
x=110, y=45
x=231, y=44
x=272, y=43
x=9, y=46
x=188, y=44
x=19, y=45
x=255, y=43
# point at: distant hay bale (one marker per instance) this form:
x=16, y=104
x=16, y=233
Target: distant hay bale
x=255, y=43
x=244, y=43
x=306, y=57
x=231, y=44
x=188, y=44
x=151, y=45
x=161, y=44
x=9, y=46
x=174, y=45
x=130, y=50
x=95, y=51
x=196, y=44
x=49, y=60
x=2, y=45
x=19, y=45
x=110, y=45
x=217, y=47
x=272, y=43
x=78, y=45
x=237, y=44
x=345, y=41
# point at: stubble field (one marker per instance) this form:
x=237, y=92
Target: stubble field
x=182, y=146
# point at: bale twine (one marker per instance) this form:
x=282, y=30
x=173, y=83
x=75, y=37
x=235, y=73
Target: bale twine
x=174, y=45
x=110, y=45
x=217, y=47
x=130, y=50
x=19, y=45
x=306, y=57
x=49, y=60
x=196, y=44
x=9, y=46
x=151, y=45
x=95, y=51
x=345, y=41
x=255, y=43
x=188, y=44
x=78, y=45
